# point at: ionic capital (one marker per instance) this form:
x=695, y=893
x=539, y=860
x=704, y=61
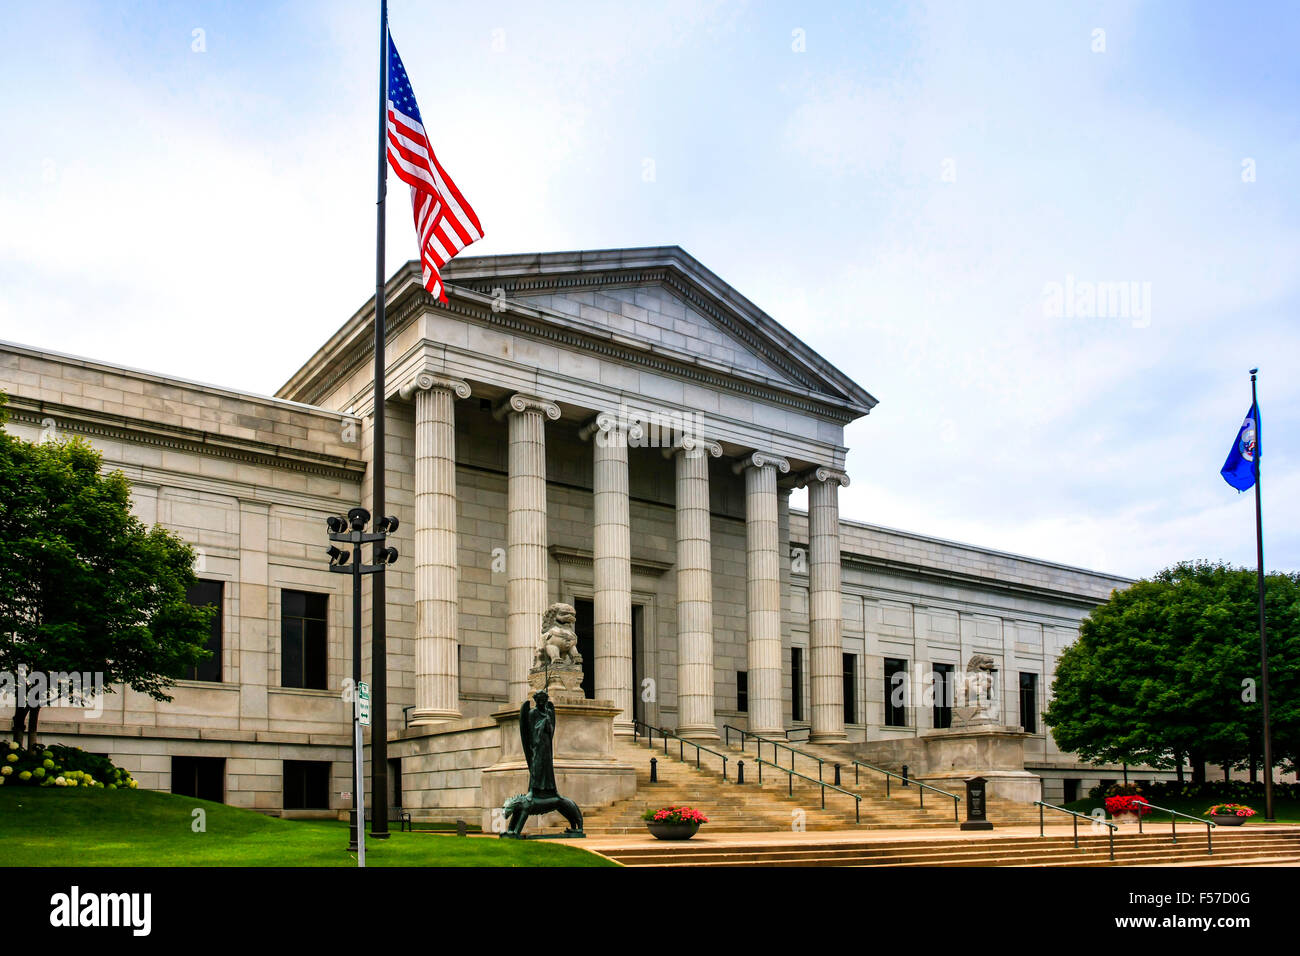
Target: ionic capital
x=761, y=459
x=426, y=380
x=823, y=473
x=694, y=447
x=613, y=429
x=519, y=403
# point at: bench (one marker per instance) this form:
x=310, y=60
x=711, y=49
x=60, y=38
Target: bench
x=401, y=817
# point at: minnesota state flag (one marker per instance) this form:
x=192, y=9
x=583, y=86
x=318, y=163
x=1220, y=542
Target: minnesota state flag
x=1239, y=469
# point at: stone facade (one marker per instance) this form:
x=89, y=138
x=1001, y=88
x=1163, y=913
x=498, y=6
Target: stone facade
x=617, y=430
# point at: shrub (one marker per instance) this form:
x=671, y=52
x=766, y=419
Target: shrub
x=42, y=766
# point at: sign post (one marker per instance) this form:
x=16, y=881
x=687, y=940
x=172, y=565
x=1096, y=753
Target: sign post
x=361, y=718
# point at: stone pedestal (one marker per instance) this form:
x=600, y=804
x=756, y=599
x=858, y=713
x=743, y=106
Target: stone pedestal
x=993, y=752
x=586, y=770
x=562, y=682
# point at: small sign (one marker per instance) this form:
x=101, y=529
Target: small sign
x=363, y=703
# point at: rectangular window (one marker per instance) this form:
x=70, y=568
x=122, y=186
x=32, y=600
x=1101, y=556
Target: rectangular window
x=796, y=683
x=895, y=692
x=944, y=692
x=306, y=785
x=201, y=777
x=850, y=688
x=303, y=639
x=1029, y=702
x=202, y=594
x=1071, y=789
x=742, y=691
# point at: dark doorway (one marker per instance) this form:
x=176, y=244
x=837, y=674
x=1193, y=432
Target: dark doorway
x=306, y=784
x=1071, y=789
x=200, y=777
x=638, y=625
x=585, y=628
x=944, y=693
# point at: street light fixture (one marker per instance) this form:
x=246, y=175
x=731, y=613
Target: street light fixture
x=352, y=531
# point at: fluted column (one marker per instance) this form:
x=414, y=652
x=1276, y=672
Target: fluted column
x=825, y=605
x=612, y=565
x=763, y=590
x=695, y=716
x=525, y=534
x=437, y=610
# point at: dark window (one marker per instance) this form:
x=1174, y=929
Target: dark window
x=944, y=690
x=303, y=639
x=200, y=777
x=850, y=688
x=201, y=594
x=742, y=691
x=306, y=785
x=1029, y=702
x=1071, y=789
x=394, y=781
x=895, y=692
x=796, y=683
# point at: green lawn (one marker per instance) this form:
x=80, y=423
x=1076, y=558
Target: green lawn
x=66, y=827
x=1286, y=811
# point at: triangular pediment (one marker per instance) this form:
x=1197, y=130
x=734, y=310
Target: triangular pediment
x=663, y=300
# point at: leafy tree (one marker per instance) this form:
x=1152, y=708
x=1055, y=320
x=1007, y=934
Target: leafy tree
x=1168, y=669
x=85, y=587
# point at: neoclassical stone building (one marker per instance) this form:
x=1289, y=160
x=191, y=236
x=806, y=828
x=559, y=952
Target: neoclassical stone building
x=619, y=430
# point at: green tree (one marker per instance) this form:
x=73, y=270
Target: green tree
x=1168, y=670
x=85, y=587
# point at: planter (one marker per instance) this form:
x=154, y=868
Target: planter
x=1125, y=818
x=672, y=831
x=1229, y=821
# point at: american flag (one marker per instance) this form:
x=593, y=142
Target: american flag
x=444, y=222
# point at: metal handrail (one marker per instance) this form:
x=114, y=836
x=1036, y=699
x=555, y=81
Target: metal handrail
x=682, y=744
x=1173, y=824
x=791, y=774
x=727, y=729
x=907, y=781
x=1076, y=818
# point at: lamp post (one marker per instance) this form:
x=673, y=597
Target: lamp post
x=352, y=531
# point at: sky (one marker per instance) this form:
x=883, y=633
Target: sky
x=927, y=194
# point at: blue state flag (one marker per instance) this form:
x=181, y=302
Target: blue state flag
x=1239, y=469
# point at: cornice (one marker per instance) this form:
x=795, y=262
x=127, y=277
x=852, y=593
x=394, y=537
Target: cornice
x=80, y=421
x=577, y=557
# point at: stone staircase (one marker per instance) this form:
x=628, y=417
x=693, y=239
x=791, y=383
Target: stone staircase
x=1249, y=846
x=776, y=804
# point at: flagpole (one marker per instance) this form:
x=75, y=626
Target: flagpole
x=1263, y=636
x=378, y=598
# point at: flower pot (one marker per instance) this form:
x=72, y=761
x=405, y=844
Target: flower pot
x=672, y=831
x=1232, y=820
x=1125, y=818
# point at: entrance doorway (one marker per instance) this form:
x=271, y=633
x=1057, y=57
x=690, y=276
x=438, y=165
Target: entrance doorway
x=585, y=628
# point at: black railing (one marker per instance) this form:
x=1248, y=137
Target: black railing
x=777, y=746
x=1076, y=818
x=909, y=782
x=638, y=727
x=791, y=774
x=1173, y=824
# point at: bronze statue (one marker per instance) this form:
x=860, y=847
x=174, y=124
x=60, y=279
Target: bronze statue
x=537, y=734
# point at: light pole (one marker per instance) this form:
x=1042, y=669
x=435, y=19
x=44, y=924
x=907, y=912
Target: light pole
x=352, y=530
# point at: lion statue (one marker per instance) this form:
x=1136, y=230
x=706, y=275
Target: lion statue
x=559, y=641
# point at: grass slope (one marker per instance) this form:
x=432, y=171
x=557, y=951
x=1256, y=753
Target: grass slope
x=65, y=827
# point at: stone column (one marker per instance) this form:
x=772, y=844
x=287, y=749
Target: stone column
x=612, y=565
x=695, y=716
x=763, y=572
x=825, y=604
x=526, y=577
x=437, y=609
